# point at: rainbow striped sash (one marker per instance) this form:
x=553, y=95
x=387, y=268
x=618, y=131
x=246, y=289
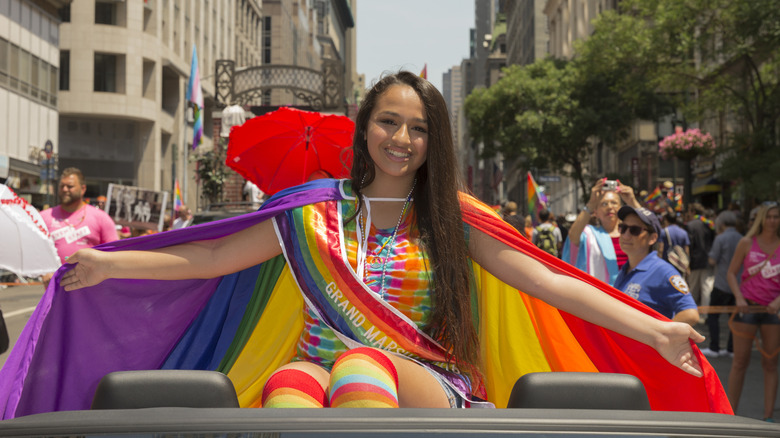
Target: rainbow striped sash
x=316, y=254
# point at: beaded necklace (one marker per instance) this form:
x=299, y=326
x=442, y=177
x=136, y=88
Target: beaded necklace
x=362, y=241
x=706, y=221
x=83, y=216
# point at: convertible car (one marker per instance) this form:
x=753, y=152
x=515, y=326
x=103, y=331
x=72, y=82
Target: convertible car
x=176, y=403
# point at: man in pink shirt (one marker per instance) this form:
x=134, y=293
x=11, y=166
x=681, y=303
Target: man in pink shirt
x=74, y=224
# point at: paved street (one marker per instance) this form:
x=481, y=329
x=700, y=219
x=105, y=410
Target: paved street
x=17, y=303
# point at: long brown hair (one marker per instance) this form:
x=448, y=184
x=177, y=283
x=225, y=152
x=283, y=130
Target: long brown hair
x=438, y=217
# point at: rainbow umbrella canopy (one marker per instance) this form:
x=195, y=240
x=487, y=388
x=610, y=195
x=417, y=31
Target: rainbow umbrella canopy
x=288, y=147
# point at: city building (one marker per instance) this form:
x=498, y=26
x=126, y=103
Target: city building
x=482, y=69
x=29, y=72
x=572, y=20
x=124, y=72
x=126, y=67
x=527, y=37
x=452, y=90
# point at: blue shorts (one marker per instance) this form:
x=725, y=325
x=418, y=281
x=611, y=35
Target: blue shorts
x=757, y=318
x=456, y=401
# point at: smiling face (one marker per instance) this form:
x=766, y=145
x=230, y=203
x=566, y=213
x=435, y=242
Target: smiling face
x=607, y=210
x=71, y=191
x=397, y=133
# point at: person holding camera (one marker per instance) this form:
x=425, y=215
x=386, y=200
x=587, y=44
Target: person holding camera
x=596, y=249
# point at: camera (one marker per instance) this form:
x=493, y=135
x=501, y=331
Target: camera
x=609, y=185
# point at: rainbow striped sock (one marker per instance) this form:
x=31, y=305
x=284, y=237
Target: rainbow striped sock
x=364, y=378
x=291, y=388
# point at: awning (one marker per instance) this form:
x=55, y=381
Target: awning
x=707, y=185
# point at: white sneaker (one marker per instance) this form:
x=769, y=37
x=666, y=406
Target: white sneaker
x=709, y=353
x=727, y=353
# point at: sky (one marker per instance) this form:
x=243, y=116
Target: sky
x=406, y=34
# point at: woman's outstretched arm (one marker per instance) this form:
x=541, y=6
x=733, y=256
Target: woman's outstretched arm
x=198, y=259
x=670, y=339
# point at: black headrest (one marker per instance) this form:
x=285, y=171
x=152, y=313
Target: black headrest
x=575, y=390
x=165, y=388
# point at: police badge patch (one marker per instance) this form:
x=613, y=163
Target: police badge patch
x=679, y=283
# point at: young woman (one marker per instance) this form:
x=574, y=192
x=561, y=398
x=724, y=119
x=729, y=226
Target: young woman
x=596, y=249
x=384, y=265
x=758, y=256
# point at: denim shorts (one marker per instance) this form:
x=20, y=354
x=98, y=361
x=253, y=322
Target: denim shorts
x=456, y=401
x=762, y=318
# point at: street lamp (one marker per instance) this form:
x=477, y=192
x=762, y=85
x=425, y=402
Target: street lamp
x=48, y=149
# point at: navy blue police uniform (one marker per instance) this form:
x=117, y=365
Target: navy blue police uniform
x=657, y=284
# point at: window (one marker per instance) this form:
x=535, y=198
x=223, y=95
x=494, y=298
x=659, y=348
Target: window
x=150, y=19
x=54, y=33
x=148, y=80
x=105, y=72
x=64, y=13
x=43, y=81
x=65, y=70
x=53, y=85
x=3, y=61
x=267, y=41
x=24, y=70
x=34, y=84
x=26, y=17
x=105, y=13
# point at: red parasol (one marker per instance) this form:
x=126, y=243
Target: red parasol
x=288, y=147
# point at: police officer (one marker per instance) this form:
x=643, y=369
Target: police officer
x=646, y=277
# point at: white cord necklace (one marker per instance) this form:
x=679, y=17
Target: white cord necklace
x=362, y=241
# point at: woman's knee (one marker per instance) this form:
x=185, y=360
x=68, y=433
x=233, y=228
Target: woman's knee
x=364, y=377
x=740, y=362
x=298, y=384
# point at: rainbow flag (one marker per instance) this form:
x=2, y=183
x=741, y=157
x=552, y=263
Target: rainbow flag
x=537, y=201
x=195, y=95
x=424, y=72
x=177, y=202
x=653, y=196
x=675, y=201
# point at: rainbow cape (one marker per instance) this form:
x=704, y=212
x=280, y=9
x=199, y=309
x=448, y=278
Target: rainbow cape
x=246, y=324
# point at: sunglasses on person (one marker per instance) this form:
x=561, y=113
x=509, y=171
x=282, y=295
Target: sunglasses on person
x=635, y=230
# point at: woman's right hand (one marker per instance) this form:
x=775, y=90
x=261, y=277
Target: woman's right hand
x=596, y=192
x=742, y=304
x=90, y=269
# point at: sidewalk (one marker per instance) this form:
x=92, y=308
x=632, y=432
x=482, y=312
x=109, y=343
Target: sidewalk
x=751, y=402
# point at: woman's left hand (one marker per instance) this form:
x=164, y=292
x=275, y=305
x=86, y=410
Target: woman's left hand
x=774, y=306
x=627, y=195
x=675, y=346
